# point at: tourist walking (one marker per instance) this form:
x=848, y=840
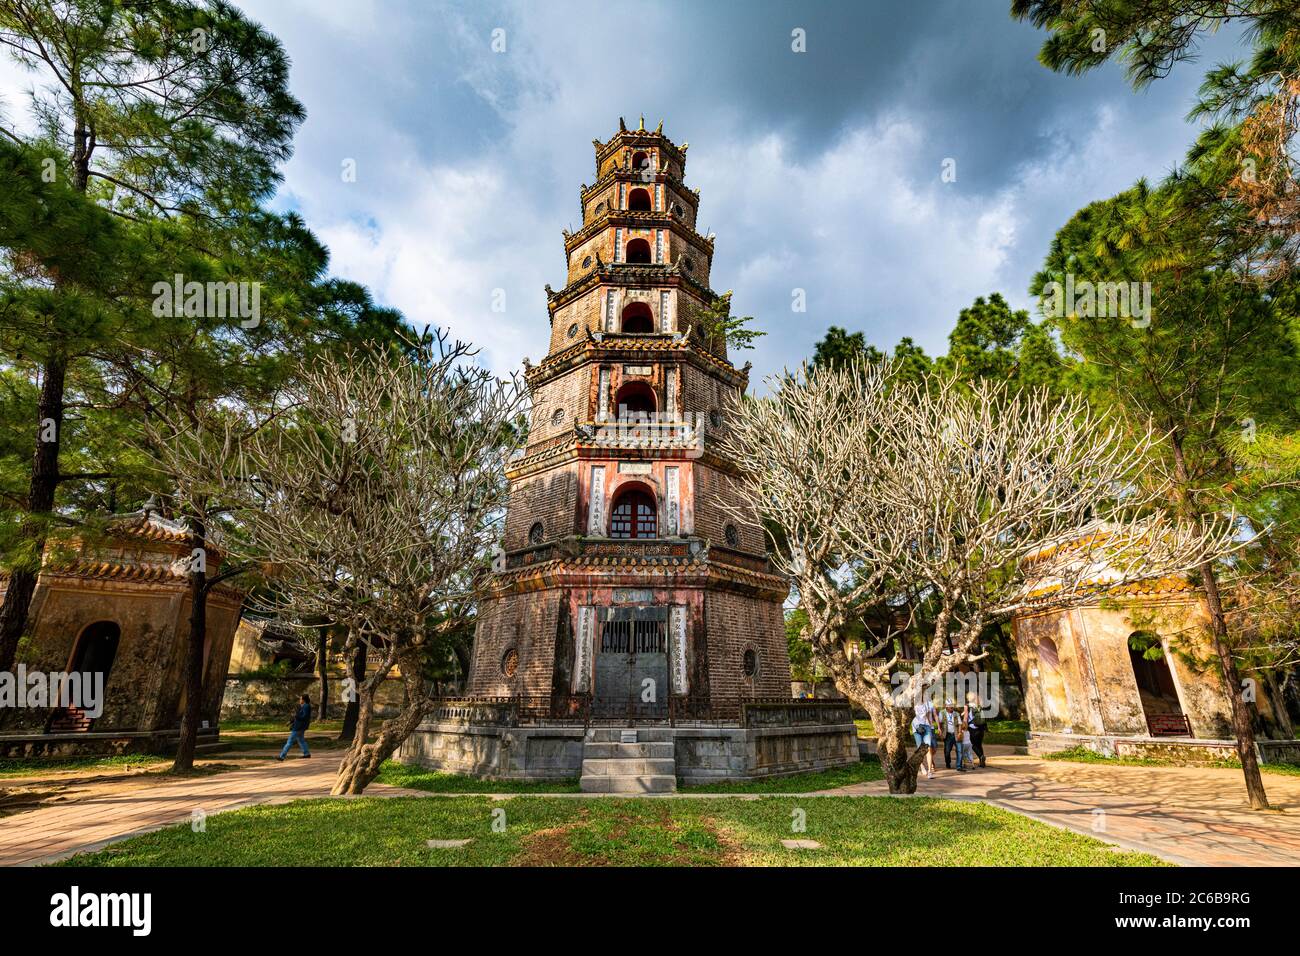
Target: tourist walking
x=298, y=727
x=953, y=720
x=975, y=721
x=924, y=721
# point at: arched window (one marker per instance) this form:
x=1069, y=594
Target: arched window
x=634, y=515
x=638, y=250
x=635, y=400
x=640, y=160
x=638, y=200
x=1056, y=701
x=638, y=318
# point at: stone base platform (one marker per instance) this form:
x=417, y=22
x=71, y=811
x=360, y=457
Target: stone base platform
x=702, y=754
x=1187, y=750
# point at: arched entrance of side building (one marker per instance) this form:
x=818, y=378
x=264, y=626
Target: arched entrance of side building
x=1156, y=688
x=96, y=649
x=93, y=654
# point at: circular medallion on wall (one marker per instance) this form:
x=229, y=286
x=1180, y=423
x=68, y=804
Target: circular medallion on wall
x=536, y=533
x=573, y=330
x=558, y=418
x=749, y=662
x=586, y=263
x=715, y=418
x=510, y=662
x=731, y=535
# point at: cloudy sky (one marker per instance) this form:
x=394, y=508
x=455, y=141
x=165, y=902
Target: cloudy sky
x=818, y=171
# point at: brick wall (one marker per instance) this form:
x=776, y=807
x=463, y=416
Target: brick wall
x=735, y=623
x=526, y=622
x=550, y=497
x=567, y=393
x=712, y=489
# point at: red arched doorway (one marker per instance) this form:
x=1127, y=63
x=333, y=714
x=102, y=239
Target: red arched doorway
x=634, y=514
x=638, y=251
x=638, y=200
x=637, y=318
x=635, y=400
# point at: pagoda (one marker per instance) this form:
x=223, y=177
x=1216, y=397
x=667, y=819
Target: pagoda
x=625, y=578
x=632, y=591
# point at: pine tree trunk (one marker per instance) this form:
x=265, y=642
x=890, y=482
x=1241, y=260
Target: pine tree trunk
x=1242, y=725
x=193, y=672
x=44, y=482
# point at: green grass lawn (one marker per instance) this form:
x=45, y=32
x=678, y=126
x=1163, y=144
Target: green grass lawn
x=278, y=726
x=420, y=778
x=799, y=783
x=1084, y=755
x=548, y=831
x=33, y=766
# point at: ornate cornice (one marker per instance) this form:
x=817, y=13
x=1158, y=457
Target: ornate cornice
x=627, y=275
x=693, y=567
x=620, y=173
x=626, y=347
x=637, y=219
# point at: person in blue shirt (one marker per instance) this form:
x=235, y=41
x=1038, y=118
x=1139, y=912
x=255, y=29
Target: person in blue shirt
x=298, y=727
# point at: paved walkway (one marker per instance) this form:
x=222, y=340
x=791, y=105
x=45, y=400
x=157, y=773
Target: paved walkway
x=1185, y=815
x=94, y=810
x=1193, y=816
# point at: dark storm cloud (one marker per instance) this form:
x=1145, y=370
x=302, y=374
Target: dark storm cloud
x=819, y=170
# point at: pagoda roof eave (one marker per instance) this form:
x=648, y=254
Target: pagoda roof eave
x=626, y=274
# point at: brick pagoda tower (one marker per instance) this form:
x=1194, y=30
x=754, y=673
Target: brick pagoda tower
x=625, y=586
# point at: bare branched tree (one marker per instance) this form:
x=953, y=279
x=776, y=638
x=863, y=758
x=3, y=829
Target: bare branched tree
x=373, y=502
x=882, y=492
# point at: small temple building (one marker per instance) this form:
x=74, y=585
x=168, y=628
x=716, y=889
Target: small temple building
x=629, y=594
x=1133, y=672
x=119, y=605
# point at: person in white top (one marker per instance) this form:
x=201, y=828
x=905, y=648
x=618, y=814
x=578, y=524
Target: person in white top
x=924, y=721
x=953, y=726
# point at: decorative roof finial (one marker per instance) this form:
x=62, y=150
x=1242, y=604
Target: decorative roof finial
x=660, y=128
x=641, y=128
x=621, y=125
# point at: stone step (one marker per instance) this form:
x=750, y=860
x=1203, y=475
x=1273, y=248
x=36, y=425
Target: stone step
x=656, y=783
x=613, y=735
x=635, y=767
x=603, y=751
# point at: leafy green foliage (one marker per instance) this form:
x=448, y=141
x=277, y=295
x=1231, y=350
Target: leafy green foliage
x=718, y=325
